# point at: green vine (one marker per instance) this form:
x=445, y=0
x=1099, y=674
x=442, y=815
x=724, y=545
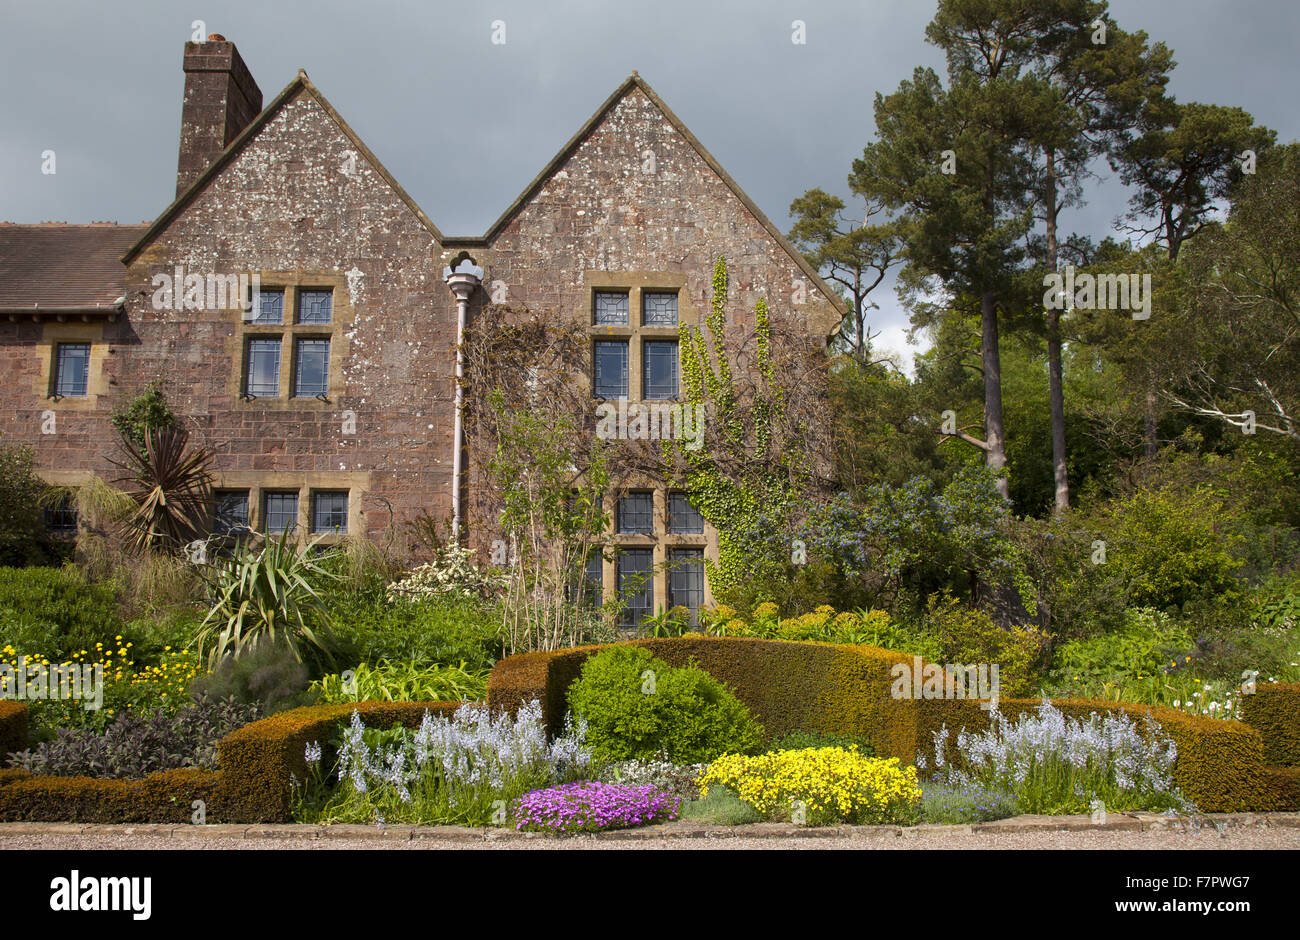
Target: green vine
x=756, y=480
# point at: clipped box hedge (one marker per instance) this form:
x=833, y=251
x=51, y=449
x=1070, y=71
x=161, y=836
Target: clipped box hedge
x=13, y=727
x=1274, y=711
x=787, y=686
x=258, y=760
x=1283, y=787
x=165, y=797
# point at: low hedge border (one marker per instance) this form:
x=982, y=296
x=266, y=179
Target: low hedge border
x=164, y=797
x=791, y=686
x=1283, y=786
x=259, y=760
x=787, y=685
x=1274, y=711
x=13, y=727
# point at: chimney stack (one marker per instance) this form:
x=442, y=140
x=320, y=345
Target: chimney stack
x=221, y=99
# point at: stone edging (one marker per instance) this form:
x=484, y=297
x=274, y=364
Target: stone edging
x=681, y=829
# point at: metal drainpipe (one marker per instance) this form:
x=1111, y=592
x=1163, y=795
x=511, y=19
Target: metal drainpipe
x=462, y=284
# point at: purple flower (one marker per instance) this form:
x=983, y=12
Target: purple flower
x=588, y=806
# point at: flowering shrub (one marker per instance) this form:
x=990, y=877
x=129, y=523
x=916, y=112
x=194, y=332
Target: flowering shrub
x=452, y=573
x=127, y=687
x=829, y=784
x=658, y=772
x=1057, y=765
x=589, y=806
x=464, y=769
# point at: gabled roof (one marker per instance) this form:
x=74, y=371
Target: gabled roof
x=635, y=81
x=55, y=265
x=301, y=84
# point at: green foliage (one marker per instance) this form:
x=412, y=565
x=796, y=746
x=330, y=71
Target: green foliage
x=272, y=591
x=1276, y=604
x=1173, y=546
x=403, y=682
x=1148, y=643
x=752, y=472
x=721, y=807
x=22, y=528
x=802, y=740
x=672, y=622
x=447, y=630
x=637, y=706
x=265, y=672
x=968, y=636
x=145, y=413
x=55, y=612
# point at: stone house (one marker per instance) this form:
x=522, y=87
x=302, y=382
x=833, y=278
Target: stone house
x=294, y=299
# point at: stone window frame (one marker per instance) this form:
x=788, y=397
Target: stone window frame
x=259, y=482
x=316, y=494
x=661, y=541
x=47, y=351
x=635, y=333
x=289, y=331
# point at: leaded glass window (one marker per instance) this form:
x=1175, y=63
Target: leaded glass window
x=610, y=308
x=658, y=309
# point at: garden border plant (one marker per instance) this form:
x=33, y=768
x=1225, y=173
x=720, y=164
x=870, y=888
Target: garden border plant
x=793, y=686
x=789, y=686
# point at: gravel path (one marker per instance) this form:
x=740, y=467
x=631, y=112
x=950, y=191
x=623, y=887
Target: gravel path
x=1254, y=837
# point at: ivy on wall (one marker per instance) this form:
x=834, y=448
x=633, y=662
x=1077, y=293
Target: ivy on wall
x=753, y=470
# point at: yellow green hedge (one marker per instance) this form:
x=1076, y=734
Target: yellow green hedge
x=258, y=760
x=787, y=686
x=823, y=687
x=1274, y=711
x=164, y=797
x=13, y=728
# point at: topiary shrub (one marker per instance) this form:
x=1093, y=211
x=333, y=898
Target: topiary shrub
x=13, y=728
x=636, y=706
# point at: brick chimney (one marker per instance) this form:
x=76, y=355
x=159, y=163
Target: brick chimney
x=221, y=99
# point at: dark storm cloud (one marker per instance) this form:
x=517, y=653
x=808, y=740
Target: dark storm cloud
x=464, y=124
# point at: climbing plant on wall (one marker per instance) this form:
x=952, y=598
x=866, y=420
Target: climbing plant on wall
x=765, y=442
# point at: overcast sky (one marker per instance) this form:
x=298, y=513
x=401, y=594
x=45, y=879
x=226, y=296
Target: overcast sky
x=464, y=124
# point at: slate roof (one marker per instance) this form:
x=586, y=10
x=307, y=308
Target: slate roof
x=59, y=265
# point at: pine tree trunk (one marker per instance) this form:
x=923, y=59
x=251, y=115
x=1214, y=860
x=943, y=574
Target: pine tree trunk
x=1055, y=376
x=993, y=424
